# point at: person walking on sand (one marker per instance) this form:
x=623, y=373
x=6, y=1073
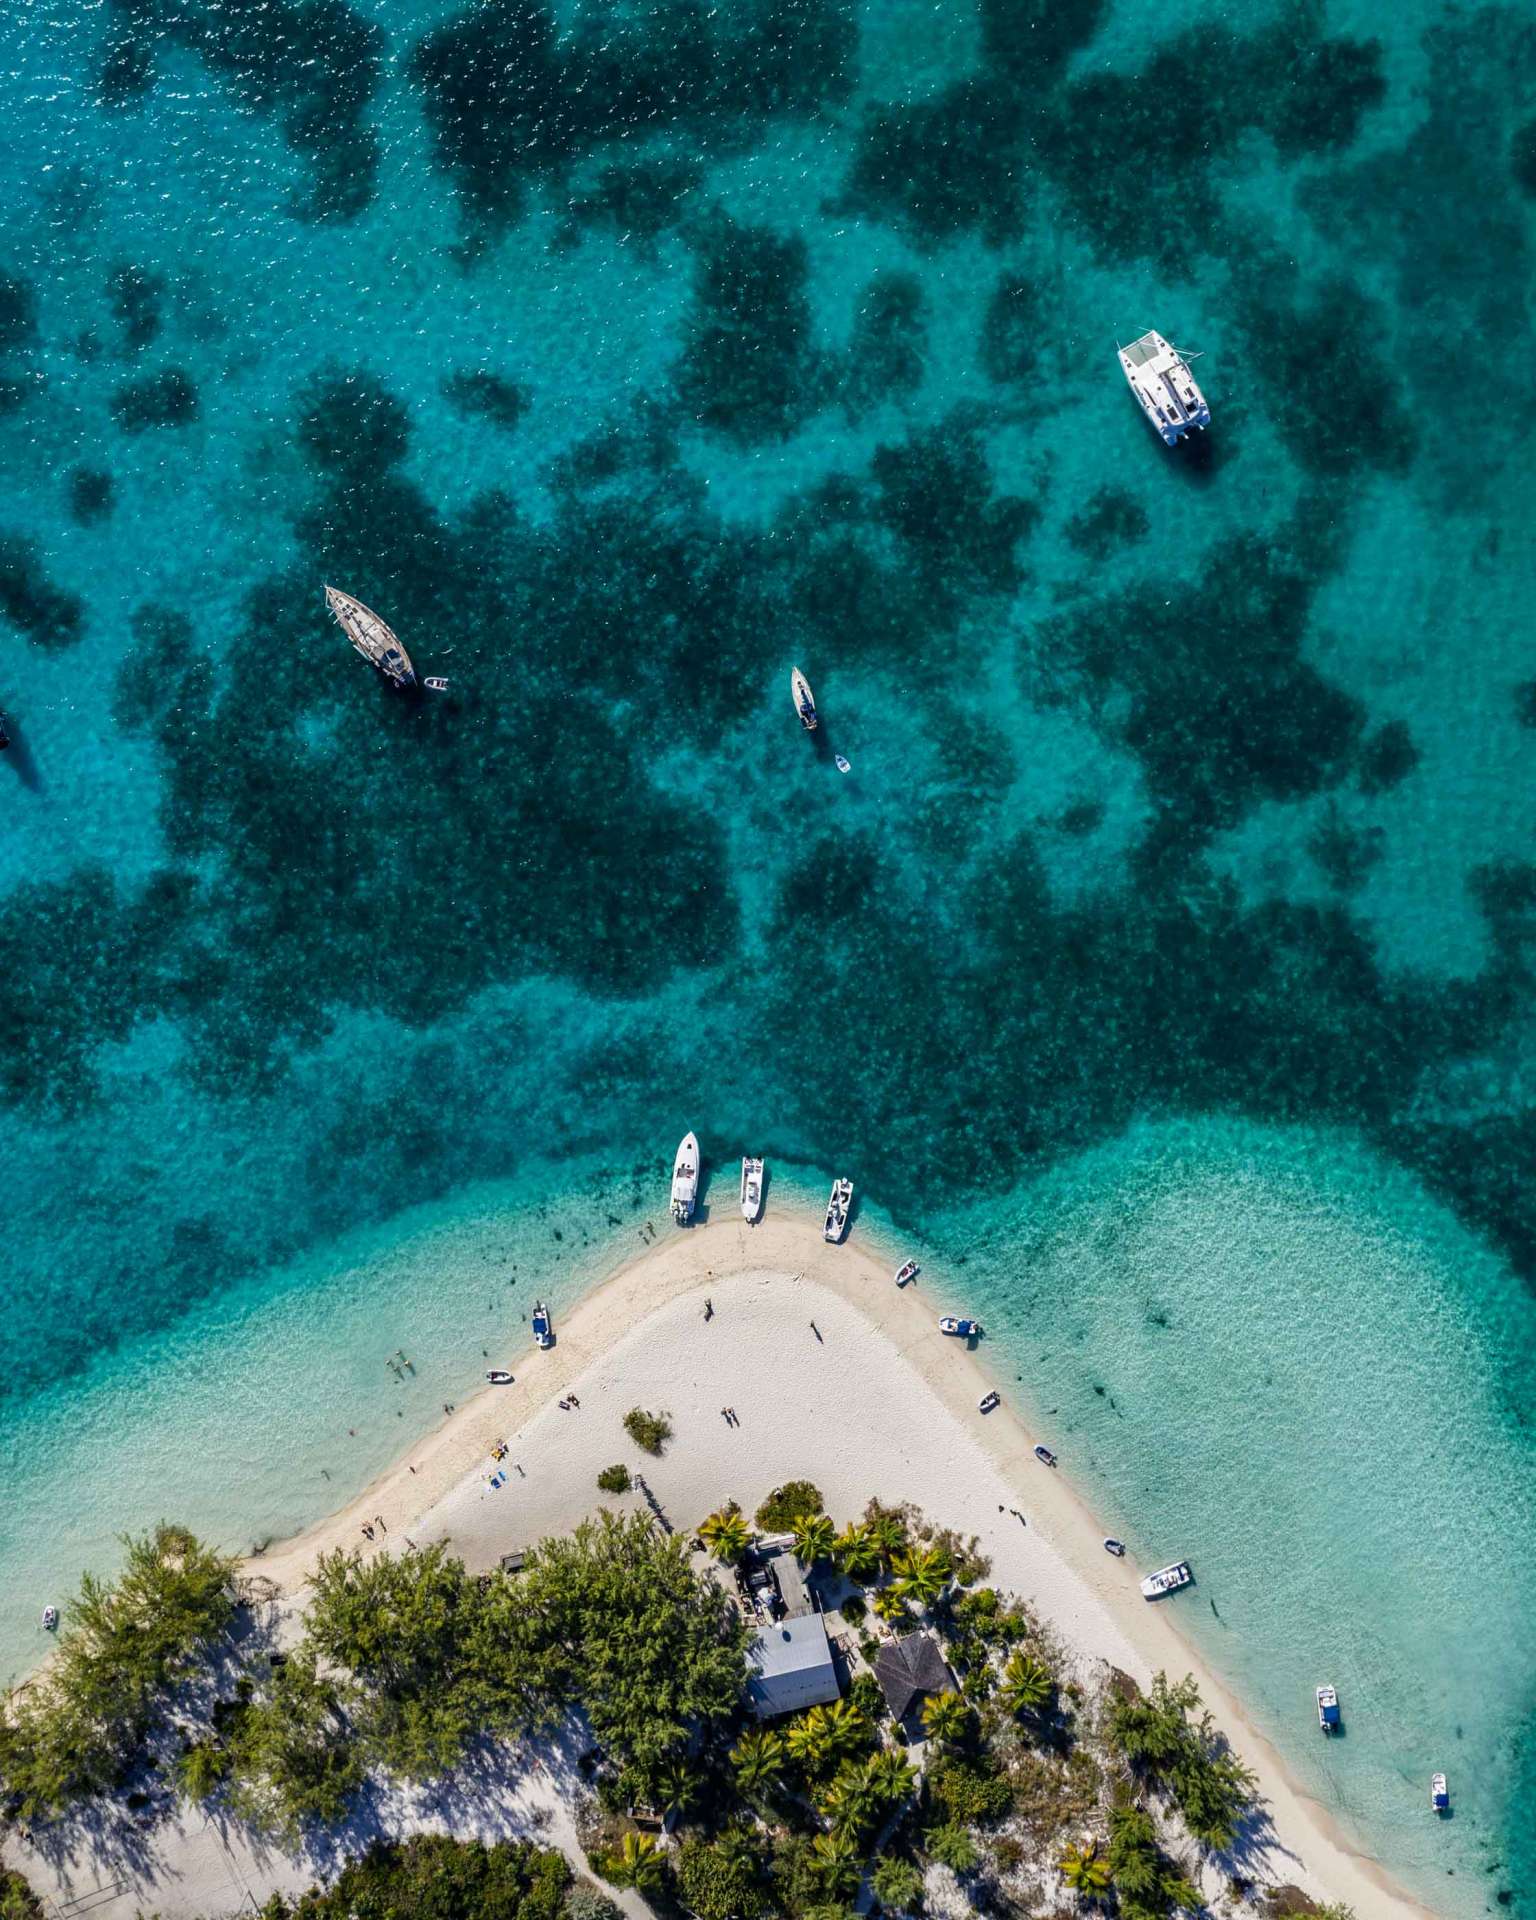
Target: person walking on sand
x=709, y=1310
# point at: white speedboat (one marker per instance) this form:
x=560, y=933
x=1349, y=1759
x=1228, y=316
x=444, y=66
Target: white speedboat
x=374, y=640
x=805, y=706
x=1161, y=380
x=498, y=1376
x=1439, y=1793
x=1166, y=1580
x=836, y=1223
x=1328, y=1709
x=908, y=1270
x=685, y=1180
x=543, y=1332
x=751, y=1189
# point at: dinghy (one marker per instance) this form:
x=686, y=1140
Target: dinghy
x=50, y=1619
x=371, y=637
x=909, y=1270
x=836, y=1223
x=988, y=1401
x=751, y=1189
x=435, y=683
x=805, y=706
x=842, y=765
x=498, y=1376
x=1045, y=1456
x=685, y=1180
x=1116, y=1547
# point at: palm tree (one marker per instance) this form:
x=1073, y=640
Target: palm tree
x=1027, y=1685
x=846, y=1726
x=952, y=1847
x=814, y=1535
x=1085, y=1870
x=888, y=1531
x=890, y=1605
x=675, y=1787
x=922, y=1573
x=945, y=1718
x=855, y=1553
x=890, y=1775
x=835, y=1863
x=726, y=1534
x=638, y=1864
x=809, y=1739
x=759, y=1760
x=851, y=1801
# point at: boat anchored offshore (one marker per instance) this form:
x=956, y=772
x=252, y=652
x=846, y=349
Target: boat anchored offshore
x=1439, y=1793
x=1161, y=380
x=751, y=1189
x=685, y=1179
x=836, y=1223
x=1328, y=1709
x=372, y=638
x=805, y=706
x=543, y=1332
x=908, y=1270
x=50, y=1619
x=1166, y=1580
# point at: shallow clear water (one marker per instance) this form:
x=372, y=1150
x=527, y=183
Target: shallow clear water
x=1167, y=942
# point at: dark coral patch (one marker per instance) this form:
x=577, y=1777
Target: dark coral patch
x=479, y=394
x=1010, y=334
x=512, y=100
x=888, y=350
x=92, y=496
x=638, y=202
x=48, y=616
x=313, y=65
x=750, y=370
x=165, y=399
x=350, y=425
x=942, y=167
x=1522, y=158
x=1107, y=522
x=18, y=338
x=135, y=295
x=1387, y=757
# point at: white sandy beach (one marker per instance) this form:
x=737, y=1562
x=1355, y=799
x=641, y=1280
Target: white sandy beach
x=835, y=1376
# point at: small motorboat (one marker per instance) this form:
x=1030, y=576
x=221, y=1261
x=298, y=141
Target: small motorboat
x=50, y=1619
x=805, y=706
x=1166, y=1580
x=961, y=1329
x=543, y=1332
x=836, y=1223
x=1439, y=1793
x=842, y=765
x=685, y=1179
x=908, y=1270
x=988, y=1401
x=1045, y=1456
x=1328, y=1709
x=1114, y=1546
x=374, y=640
x=751, y=1189
x=435, y=683
x=498, y=1376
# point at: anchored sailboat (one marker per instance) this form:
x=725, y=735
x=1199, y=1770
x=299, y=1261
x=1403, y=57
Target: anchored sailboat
x=373, y=639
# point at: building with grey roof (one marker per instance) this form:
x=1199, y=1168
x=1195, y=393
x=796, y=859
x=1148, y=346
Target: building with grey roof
x=792, y=1667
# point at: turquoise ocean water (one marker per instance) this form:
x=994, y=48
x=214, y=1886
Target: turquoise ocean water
x=1162, y=966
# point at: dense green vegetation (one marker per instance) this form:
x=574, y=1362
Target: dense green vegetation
x=786, y=1504
x=125, y=1648
x=404, y=1662
x=17, y=1900
x=649, y=1431
x=615, y=1479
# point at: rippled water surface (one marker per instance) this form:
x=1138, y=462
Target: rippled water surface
x=1162, y=961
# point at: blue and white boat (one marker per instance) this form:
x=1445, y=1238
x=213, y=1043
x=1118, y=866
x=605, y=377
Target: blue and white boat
x=961, y=1329
x=543, y=1333
x=1328, y=1709
x=1439, y=1793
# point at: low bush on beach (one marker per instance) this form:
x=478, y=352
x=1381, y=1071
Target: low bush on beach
x=1164, y=1745
x=795, y=1500
x=649, y=1431
x=17, y=1900
x=434, y=1875
x=615, y=1479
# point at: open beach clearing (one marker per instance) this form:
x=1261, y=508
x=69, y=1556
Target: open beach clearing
x=832, y=1373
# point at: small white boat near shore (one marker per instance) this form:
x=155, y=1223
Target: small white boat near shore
x=959, y=1329
x=805, y=705
x=498, y=1376
x=1166, y=1580
x=1328, y=1709
x=685, y=1179
x=1160, y=378
x=836, y=1223
x=908, y=1270
x=751, y=1190
x=988, y=1401
x=1439, y=1793
x=50, y=1619
x=1114, y=1546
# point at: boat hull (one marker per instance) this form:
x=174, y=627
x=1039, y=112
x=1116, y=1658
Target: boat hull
x=751, y=1191
x=685, y=1179
x=373, y=638
x=805, y=704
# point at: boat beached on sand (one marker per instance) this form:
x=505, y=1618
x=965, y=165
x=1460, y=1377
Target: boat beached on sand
x=908, y=1270
x=988, y=1401
x=836, y=1223
x=962, y=1329
x=751, y=1190
x=1161, y=380
x=685, y=1179
x=373, y=639
x=543, y=1332
x=1167, y=1580
x=805, y=706
x=498, y=1376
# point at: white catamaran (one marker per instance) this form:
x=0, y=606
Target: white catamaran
x=1161, y=380
x=372, y=638
x=685, y=1179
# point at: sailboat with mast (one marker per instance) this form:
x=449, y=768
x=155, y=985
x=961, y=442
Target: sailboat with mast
x=374, y=640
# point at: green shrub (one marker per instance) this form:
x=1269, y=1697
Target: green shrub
x=17, y=1900
x=431, y=1874
x=866, y=1696
x=615, y=1479
x=722, y=1879
x=795, y=1500
x=649, y=1431
x=584, y=1901
x=853, y=1609
x=952, y=1847
x=968, y=1793
x=898, y=1885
